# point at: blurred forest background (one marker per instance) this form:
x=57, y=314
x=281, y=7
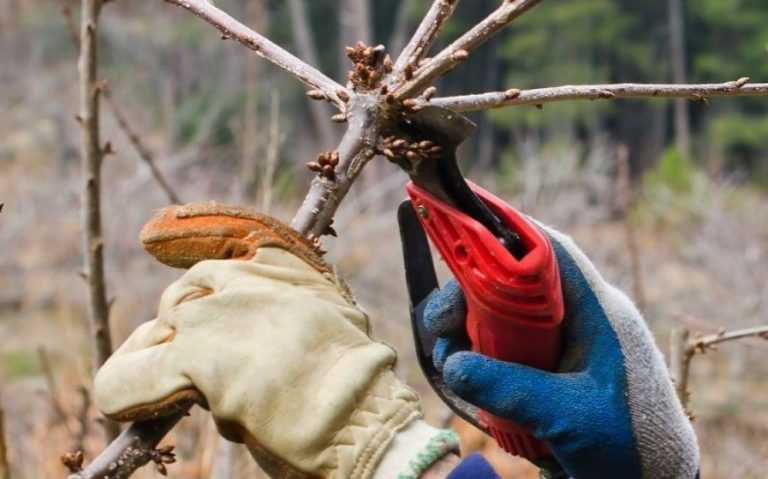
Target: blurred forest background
x=678, y=220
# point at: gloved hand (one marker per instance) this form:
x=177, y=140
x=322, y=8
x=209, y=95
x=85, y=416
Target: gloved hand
x=274, y=346
x=610, y=411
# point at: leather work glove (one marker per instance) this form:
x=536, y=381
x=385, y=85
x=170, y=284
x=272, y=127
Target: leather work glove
x=273, y=344
x=610, y=411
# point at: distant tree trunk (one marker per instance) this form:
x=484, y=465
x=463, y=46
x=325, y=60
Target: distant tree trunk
x=302, y=35
x=679, y=75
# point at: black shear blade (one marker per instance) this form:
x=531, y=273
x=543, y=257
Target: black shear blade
x=421, y=280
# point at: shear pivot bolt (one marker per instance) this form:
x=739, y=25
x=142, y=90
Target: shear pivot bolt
x=422, y=211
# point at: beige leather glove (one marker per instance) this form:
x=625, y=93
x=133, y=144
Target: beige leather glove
x=281, y=356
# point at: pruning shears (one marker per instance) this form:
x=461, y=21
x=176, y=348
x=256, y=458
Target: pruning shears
x=505, y=265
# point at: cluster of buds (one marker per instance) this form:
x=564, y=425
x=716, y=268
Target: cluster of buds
x=398, y=149
x=161, y=457
x=371, y=64
x=325, y=164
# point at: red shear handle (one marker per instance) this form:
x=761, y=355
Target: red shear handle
x=515, y=307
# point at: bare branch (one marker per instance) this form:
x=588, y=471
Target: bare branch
x=680, y=357
x=426, y=34
x=82, y=418
x=540, y=96
x=92, y=156
x=704, y=343
x=263, y=47
x=138, y=145
x=457, y=52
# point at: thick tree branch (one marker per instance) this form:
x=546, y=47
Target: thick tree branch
x=135, y=447
x=540, y=96
x=356, y=147
x=426, y=34
x=458, y=51
x=263, y=47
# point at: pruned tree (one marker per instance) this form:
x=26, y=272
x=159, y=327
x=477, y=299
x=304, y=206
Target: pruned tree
x=378, y=92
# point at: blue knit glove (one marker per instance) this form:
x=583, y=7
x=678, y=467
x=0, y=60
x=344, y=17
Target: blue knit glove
x=610, y=411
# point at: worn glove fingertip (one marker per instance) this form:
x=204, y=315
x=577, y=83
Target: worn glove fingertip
x=446, y=311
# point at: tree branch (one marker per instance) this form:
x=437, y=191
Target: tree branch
x=356, y=147
x=134, y=448
x=138, y=145
x=92, y=155
x=701, y=344
x=458, y=51
x=426, y=34
x=540, y=96
x=263, y=47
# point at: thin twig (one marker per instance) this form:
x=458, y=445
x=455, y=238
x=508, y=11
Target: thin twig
x=231, y=28
x=457, y=51
x=540, y=96
x=138, y=145
x=426, y=34
x=705, y=343
x=92, y=156
x=82, y=418
x=680, y=363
